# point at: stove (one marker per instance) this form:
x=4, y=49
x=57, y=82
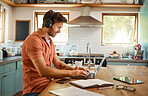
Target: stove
x=84, y=59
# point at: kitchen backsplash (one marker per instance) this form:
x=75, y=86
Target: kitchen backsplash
x=80, y=36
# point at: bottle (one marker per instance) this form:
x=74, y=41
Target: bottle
x=136, y=1
x=1, y=54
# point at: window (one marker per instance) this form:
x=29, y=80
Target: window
x=61, y=37
x=119, y=28
x=2, y=26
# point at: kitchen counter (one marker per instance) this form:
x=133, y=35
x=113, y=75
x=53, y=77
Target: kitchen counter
x=110, y=59
x=126, y=60
x=7, y=60
x=19, y=58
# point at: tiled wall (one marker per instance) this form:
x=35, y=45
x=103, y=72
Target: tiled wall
x=80, y=36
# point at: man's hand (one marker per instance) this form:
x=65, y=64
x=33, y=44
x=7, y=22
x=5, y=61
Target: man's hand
x=76, y=73
x=81, y=68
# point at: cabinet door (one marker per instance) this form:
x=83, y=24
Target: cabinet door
x=8, y=81
x=0, y=85
x=19, y=80
x=1, y=72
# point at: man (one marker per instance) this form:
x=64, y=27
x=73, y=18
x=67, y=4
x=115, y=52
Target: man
x=38, y=54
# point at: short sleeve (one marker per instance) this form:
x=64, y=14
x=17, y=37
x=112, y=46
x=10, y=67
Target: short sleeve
x=34, y=47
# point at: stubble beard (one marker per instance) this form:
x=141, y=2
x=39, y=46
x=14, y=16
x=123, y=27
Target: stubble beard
x=51, y=32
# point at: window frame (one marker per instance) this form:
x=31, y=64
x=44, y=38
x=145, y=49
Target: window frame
x=122, y=14
x=3, y=26
x=42, y=13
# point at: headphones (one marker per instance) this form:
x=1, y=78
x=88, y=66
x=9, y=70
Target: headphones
x=48, y=22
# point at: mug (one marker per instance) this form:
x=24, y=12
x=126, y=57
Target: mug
x=78, y=63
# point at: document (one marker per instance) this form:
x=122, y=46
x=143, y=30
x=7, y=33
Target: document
x=91, y=83
x=73, y=91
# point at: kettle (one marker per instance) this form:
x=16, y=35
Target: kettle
x=73, y=51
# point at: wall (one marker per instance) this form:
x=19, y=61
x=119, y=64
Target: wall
x=77, y=36
x=143, y=33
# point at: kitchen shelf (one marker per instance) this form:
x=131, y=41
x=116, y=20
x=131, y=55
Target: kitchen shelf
x=9, y=2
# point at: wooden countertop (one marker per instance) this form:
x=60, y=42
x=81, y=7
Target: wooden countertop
x=107, y=74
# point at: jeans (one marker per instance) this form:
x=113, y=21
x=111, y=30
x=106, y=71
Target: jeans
x=32, y=94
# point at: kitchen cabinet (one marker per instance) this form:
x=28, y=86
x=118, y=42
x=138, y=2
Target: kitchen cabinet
x=11, y=78
x=128, y=63
x=1, y=72
x=19, y=79
x=8, y=83
x=9, y=2
x=0, y=85
x=8, y=79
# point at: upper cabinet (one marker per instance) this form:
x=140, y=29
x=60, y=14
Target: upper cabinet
x=60, y=4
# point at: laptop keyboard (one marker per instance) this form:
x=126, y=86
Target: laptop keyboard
x=90, y=75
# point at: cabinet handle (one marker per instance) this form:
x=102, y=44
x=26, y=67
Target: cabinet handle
x=4, y=75
x=10, y=66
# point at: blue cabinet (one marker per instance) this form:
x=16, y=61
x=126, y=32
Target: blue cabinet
x=8, y=83
x=8, y=79
x=19, y=80
x=1, y=75
x=0, y=85
x=11, y=78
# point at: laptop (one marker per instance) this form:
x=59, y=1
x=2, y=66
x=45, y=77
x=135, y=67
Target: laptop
x=91, y=74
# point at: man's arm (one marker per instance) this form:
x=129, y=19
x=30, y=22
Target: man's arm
x=61, y=65
x=46, y=71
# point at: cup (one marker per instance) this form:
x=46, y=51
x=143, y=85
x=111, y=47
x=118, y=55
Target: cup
x=78, y=63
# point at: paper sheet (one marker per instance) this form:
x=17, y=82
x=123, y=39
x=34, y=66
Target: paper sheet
x=73, y=91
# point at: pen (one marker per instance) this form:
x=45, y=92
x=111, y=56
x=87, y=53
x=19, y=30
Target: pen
x=107, y=87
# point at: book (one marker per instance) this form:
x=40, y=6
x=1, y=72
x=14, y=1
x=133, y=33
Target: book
x=73, y=91
x=91, y=83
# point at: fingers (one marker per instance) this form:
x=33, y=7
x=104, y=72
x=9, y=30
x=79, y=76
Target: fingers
x=77, y=68
x=84, y=73
x=79, y=73
x=81, y=68
x=86, y=70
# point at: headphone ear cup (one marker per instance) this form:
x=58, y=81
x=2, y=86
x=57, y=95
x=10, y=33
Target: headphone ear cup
x=48, y=23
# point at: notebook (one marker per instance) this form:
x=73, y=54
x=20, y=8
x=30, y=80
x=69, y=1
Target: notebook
x=73, y=91
x=91, y=74
x=89, y=83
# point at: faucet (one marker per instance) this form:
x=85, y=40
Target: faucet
x=89, y=52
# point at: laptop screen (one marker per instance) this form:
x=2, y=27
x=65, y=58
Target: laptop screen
x=102, y=61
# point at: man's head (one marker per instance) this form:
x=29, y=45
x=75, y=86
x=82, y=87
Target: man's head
x=54, y=22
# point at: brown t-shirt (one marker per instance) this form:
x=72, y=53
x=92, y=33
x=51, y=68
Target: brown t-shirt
x=35, y=46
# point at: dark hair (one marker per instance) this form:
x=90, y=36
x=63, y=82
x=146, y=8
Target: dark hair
x=56, y=18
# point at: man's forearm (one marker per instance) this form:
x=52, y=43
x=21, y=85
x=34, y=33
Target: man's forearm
x=56, y=73
x=64, y=66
